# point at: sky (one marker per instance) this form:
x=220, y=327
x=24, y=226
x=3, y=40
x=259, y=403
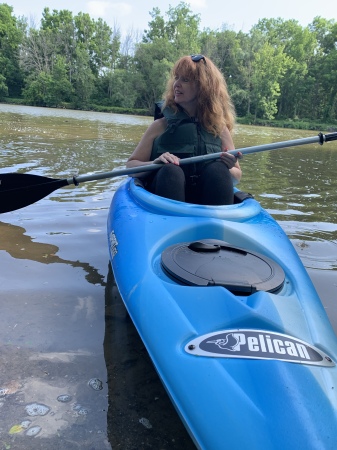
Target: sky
x=133, y=15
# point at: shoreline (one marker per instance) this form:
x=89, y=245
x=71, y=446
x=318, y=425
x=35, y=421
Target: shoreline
x=295, y=124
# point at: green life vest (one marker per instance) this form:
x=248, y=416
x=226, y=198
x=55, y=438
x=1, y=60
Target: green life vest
x=184, y=137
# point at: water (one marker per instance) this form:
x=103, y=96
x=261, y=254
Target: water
x=63, y=327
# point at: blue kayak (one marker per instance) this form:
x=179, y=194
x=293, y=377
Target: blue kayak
x=230, y=319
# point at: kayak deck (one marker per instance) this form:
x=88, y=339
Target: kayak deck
x=227, y=399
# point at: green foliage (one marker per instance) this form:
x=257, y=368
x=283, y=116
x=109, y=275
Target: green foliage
x=38, y=90
x=11, y=34
x=153, y=61
x=3, y=87
x=119, y=84
x=49, y=89
x=181, y=30
x=278, y=72
x=268, y=66
x=293, y=124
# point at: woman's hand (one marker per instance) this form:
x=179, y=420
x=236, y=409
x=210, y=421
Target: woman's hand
x=167, y=158
x=229, y=159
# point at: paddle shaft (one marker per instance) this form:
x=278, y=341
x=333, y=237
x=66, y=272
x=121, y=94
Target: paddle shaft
x=18, y=190
x=320, y=139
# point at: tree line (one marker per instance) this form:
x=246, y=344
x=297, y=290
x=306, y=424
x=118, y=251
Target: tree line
x=278, y=70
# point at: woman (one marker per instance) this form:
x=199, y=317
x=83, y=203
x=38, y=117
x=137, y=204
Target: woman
x=198, y=118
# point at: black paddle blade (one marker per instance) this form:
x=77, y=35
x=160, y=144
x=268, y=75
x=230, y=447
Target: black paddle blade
x=18, y=190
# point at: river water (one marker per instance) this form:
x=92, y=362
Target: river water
x=74, y=373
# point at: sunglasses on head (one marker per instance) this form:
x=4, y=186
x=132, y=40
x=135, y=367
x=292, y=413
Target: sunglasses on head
x=197, y=58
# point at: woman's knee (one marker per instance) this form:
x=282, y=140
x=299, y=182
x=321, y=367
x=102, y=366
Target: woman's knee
x=171, y=171
x=169, y=182
x=216, y=184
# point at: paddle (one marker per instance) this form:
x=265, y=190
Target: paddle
x=18, y=190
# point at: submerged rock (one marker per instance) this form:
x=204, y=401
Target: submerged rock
x=145, y=422
x=37, y=409
x=33, y=431
x=80, y=410
x=64, y=398
x=95, y=384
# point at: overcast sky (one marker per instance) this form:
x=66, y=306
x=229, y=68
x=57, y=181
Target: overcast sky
x=134, y=14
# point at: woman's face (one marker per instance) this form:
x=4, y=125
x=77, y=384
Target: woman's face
x=185, y=92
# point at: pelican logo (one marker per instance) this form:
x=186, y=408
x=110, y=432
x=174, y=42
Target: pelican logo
x=257, y=344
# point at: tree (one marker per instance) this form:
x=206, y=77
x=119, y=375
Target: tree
x=38, y=88
x=102, y=48
x=37, y=52
x=153, y=67
x=181, y=30
x=268, y=67
x=3, y=86
x=299, y=45
x=11, y=32
x=83, y=79
x=61, y=27
x=157, y=27
x=323, y=70
x=67, y=54
x=225, y=48
x=49, y=89
x=242, y=86
x=61, y=89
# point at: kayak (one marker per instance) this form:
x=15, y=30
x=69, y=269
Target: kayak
x=230, y=318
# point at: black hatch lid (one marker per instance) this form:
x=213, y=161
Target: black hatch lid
x=213, y=262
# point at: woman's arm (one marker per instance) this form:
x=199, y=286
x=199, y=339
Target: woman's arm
x=142, y=153
x=230, y=160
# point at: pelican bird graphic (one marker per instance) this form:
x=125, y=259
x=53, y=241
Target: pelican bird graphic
x=230, y=342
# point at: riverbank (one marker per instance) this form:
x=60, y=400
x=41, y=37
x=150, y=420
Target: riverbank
x=297, y=124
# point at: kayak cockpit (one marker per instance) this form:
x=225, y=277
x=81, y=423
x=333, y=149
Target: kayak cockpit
x=239, y=211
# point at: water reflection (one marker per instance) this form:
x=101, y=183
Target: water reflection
x=140, y=414
x=16, y=243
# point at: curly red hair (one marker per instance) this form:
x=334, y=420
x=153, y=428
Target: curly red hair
x=214, y=108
